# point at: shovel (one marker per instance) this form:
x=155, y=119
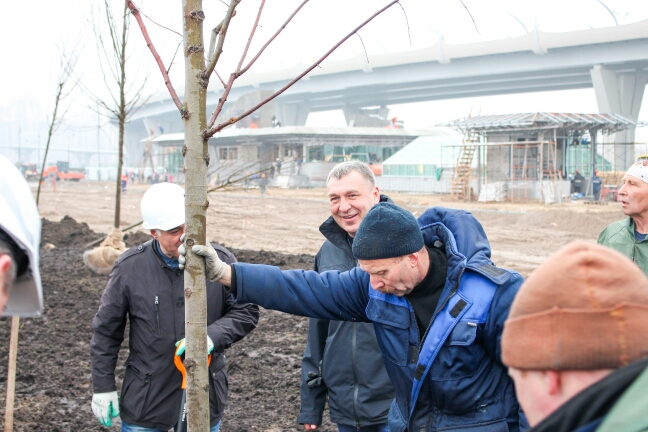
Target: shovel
x=182, y=417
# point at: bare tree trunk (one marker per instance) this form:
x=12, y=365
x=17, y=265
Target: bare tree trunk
x=50, y=132
x=196, y=161
x=122, y=114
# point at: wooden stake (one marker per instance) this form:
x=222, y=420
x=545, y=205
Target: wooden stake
x=11, y=374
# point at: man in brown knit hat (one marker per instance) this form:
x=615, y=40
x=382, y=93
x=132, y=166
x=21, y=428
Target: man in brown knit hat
x=576, y=339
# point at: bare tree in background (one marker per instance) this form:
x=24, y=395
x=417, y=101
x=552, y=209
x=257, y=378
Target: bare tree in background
x=123, y=100
x=199, y=67
x=65, y=83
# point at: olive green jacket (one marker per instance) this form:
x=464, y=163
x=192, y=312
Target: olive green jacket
x=629, y=414
x=620, y=236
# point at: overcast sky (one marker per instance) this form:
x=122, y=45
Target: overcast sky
x=32, y=31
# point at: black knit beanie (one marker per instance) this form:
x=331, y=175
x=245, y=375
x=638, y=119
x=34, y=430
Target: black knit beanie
x=387, y=231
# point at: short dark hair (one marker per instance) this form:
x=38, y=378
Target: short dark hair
x=345, y=168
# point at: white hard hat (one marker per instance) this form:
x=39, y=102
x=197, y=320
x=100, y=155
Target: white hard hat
x=20, y=220
x=163, y=207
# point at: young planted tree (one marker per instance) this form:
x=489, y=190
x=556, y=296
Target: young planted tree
x=65, y=83
x=198, y=130
x=123, y=100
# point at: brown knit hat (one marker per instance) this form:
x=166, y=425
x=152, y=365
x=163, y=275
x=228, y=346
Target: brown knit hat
x=585, y=308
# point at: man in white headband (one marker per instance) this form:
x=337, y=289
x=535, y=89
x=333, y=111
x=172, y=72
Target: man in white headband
x=629, y=236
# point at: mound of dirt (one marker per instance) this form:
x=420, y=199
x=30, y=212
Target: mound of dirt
x=53, y=384
x=135, y=238
x=67, y=233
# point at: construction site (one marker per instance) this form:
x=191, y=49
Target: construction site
x=278, y=228
x=400, y=101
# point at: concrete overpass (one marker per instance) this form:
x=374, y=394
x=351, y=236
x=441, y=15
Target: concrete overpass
x=613, y=60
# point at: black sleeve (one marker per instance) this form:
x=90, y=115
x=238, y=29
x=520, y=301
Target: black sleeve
x=108, y=326
x=313, y=400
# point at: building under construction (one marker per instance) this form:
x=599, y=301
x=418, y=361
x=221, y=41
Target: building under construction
x=526, y=157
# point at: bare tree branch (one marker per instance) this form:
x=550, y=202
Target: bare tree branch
x=409, y=36
x=219, y=77
x=159, y=25
x=363, y=47
x=167, y=81
x=471, y=17
x=210, y=132
x=249, y=41
x=221, y=40
x=274, y=36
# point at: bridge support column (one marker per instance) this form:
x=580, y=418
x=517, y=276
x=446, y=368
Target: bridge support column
x=620, y=93
x=293, y=114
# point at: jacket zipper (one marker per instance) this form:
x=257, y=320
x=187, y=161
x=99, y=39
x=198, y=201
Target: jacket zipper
x=157, y=315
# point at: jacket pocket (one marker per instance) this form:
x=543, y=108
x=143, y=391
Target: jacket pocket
x=464, y=334
x=461, y=355
x=489, y=426
x=135, y=390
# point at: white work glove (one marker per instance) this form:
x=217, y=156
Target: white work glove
x=105, y=407
x=181, y=346
x=214, y=267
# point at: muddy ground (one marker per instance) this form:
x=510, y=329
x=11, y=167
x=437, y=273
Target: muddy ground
x=53, y=389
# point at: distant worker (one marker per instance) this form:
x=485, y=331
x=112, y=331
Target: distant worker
x=628, y=236
x=575, y=343
x=342, y=359
x=299, y=164
x=578, y=182
x=437, y=303
x=263, y=183
x=124, y=182
x=596, y=186
x=21, y=293
x=147, y=287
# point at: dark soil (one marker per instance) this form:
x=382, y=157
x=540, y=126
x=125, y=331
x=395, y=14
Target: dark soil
x=53, y=382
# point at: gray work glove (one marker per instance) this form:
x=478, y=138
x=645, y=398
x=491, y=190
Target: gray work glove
x=105, y=407
x=214, y=267
x=315, y=378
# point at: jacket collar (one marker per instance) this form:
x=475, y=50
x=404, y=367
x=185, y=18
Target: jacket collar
x=593, y=403
x=464, y=240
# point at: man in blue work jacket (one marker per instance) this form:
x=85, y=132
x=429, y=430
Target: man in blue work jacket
x=438, y=304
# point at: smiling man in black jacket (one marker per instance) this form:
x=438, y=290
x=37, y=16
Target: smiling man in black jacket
x=342, y=358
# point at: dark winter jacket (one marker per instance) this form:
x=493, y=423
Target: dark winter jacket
x=354, y=376
x=466, y=387
x=151, y=294
x=588, y=409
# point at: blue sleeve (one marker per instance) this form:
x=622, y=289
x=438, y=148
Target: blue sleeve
x=498, y=313
x=330, y=295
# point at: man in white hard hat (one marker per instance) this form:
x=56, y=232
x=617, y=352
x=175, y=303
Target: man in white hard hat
x=20, y=229
x=147, y=287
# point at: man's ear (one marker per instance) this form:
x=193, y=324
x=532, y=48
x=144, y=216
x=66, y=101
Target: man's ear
x=5, y=264
x=154, y=234
x=414, y=259
x=553, y=380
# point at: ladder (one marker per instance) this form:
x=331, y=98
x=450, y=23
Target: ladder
x=461, y=176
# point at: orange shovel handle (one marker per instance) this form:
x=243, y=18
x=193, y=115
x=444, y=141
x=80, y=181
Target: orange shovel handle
x=181, y=367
